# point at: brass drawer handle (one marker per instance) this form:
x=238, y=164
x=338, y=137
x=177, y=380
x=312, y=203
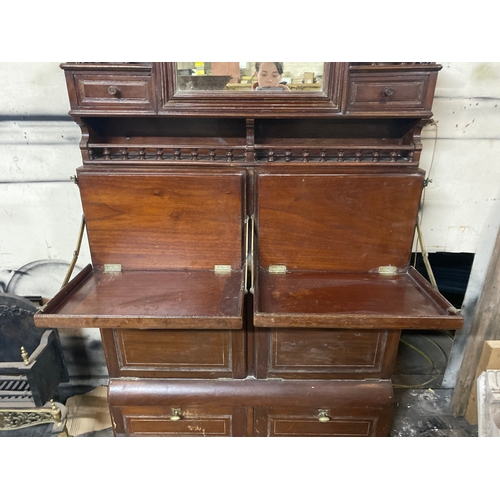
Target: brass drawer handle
x=388, y=92
x=176, y=414
x=323, y=416
x=112, y=90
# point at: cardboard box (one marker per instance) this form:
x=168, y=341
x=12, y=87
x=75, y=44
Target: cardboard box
x=227, y=68
x=308, y=77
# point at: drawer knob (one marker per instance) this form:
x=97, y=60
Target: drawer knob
x=323, y=416
x=112, y=90
x=388, y=92
x=176, y=414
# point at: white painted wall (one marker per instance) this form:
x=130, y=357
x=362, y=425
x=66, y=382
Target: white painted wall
x=465, y=172
x=40, y=208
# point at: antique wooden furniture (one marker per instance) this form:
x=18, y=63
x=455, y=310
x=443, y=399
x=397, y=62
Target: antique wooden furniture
x=250, y=253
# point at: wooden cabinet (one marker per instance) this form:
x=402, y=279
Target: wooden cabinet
x=250, y=253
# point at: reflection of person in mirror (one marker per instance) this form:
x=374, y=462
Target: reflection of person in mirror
x=269, y=76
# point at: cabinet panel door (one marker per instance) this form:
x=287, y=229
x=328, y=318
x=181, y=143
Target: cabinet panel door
x=325, y=353
x=175, y=353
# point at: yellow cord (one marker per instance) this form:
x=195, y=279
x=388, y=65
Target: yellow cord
x=423, y=384
x=418, y=350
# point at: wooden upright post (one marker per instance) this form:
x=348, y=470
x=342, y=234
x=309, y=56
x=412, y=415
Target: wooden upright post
x=486, y=326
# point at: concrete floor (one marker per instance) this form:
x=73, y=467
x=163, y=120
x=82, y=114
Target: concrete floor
x=421, y=407
x=426, y=413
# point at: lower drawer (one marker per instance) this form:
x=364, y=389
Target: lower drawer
x=250, y=407
x=179, y=420
x=327, y=421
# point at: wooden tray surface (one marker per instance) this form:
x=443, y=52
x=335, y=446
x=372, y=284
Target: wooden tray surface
x=148, y=299
x=351, y=300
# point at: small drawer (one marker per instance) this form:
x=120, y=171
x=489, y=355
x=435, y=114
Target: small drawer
x=297, y=353
x=178, y=420
x=175, y=353
x=382, y=92
x=114, y=91
x=321, y=422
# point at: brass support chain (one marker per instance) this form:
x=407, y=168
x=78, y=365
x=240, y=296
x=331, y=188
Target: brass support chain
x=251, y=254
x=425, y=256
x=245, y=268
x=427, y=181
x=76, y=253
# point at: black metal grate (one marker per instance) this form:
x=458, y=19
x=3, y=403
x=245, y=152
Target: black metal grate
x=14, y=389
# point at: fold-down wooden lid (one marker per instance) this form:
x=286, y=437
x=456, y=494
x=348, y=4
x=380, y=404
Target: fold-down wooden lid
x=333, y=233
x=168, y=232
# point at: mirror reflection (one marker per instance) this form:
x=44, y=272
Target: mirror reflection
x=250, y=76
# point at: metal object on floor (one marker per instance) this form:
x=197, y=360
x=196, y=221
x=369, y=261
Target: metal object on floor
x=31, y=368
x=12, y=419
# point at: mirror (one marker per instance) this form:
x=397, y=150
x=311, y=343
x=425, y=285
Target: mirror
x=250, y=76
x=216, y=89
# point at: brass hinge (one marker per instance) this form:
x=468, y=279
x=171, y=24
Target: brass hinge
x=277, y=269
x=388, y=270
x=250, y=253
x=222, y=269
x=112, y=268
